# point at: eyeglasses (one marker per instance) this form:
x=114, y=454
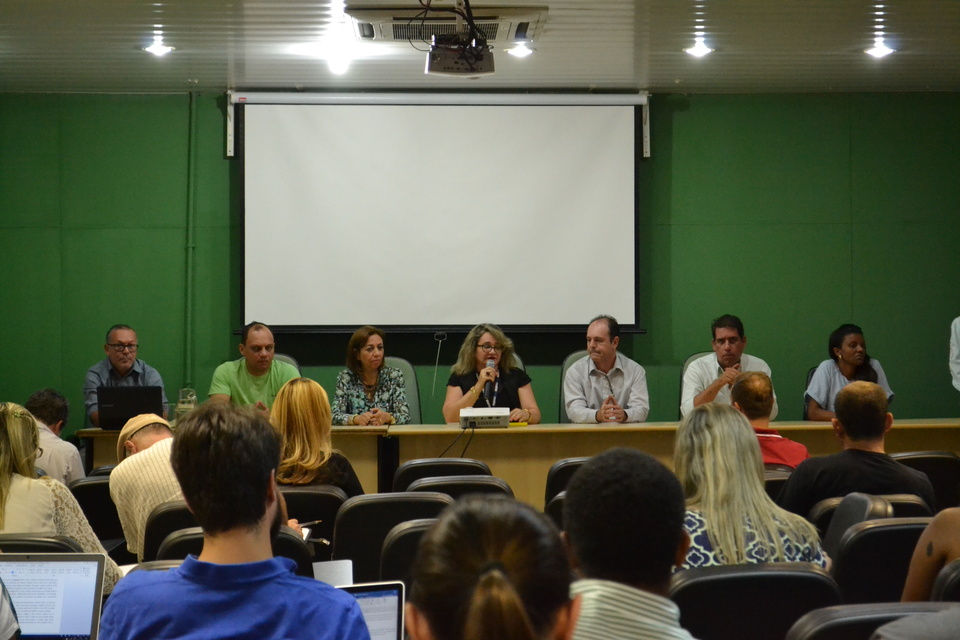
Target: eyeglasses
x=489, y=348
x=120, y=348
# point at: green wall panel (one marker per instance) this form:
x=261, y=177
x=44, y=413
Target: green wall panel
x=29, y=161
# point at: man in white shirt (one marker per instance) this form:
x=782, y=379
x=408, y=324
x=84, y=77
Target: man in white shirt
x=709, y=379
x=605, y=386
x=58, y=458
x=955, y=352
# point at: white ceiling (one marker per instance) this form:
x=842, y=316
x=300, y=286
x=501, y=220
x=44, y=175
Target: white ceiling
x=606, y=45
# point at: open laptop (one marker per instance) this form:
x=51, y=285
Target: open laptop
x=56, y=595
x=119, y=404
x=382, y=607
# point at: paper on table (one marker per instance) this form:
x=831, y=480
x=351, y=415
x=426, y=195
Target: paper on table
x=335, y=572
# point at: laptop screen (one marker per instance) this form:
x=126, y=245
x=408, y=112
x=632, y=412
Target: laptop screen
x=119, y=404
x=57, y=595
x=382, y=607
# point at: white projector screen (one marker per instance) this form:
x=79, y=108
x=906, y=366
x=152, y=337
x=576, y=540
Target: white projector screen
x=412, y=216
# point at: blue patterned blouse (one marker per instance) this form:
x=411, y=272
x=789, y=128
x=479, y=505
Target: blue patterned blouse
x=351, y=399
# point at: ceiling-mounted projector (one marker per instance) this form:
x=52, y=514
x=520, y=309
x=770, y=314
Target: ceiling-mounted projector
x=459, y=55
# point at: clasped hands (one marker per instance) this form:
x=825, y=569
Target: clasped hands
x=610, y=411
x=373, y=417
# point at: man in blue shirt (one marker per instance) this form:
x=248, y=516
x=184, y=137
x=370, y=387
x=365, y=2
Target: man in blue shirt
x=225, y=458
x=121, y=368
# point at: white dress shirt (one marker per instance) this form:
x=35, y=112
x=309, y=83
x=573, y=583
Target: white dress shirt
x=60, y=460
x=585, y=388
x=703, y=371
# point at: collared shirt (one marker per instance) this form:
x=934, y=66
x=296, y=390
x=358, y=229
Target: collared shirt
x=613, y=611
x=775, y=449
x=60, y=460
x=955, y=353
x=103, y=374
x=827, y=381
x=703, y=371
x=585, y=388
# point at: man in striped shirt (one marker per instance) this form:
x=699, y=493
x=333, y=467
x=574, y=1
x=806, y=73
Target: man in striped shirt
x=623, y=522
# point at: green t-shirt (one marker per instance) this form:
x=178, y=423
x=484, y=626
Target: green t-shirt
x=232, y=379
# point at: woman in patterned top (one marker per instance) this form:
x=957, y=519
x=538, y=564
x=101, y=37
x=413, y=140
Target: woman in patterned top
x=730, y=518
x=368, y=393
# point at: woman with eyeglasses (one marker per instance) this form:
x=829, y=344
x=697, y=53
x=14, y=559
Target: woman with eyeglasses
x=486, y=356
x=368, y=392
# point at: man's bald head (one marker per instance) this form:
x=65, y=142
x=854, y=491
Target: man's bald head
x=862, y=410
x=753, y=393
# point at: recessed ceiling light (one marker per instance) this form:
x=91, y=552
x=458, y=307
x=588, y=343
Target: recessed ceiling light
x=158, y=48
x=879, y=49
x=699, y=49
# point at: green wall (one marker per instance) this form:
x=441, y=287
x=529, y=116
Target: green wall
x=796, y=212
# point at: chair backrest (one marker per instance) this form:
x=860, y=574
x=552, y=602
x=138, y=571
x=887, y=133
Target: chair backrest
x=162, y=521
x=519, y=360
x=853, y=509
x=810, y=373
x=683, y=370
x=315, y=502
x=873, y=557
x=156, y=565
x=567, y=363
x=364, y=521
x=282, y=357
x=287, y=543
x=38, y=543
x=946, y=588
x=431, y=467
x=822, y=513
x=400, y=548
x=856, y=621
x=93, y=496
x=554, y=509
x=712, y=599
x=908, y=505
x=773, y=481
x=181, y=543
x=103, y=470
x=459, y=486
x=943, y=470
x=410, y=384
x=558, y=477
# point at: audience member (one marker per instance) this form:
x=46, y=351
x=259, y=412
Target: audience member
x=708, y=379
x=848, y=362
x=623, y=524
x=938, y=546
x=955, y=353
x=301, y=415
x=368, y=392
x=226, y=458
x=38, y=505
x=730, y=517
x=121, y=368
x=255, y=378
x=752, y=395
x=144, y=478
x=861, y=422
x=487, y=374
x=58, y=458
x=490, y=567
x=605, y=386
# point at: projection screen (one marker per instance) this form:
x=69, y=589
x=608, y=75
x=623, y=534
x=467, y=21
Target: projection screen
x=425, y=217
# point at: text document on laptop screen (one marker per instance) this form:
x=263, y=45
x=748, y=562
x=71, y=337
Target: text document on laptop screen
x=418, y=216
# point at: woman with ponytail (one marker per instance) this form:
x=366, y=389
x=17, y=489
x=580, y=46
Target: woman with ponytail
x=490, y=568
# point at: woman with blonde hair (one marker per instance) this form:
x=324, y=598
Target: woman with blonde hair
x=730, y=517
x=302, y=417
x=487, y=356
x=38, y=505
x=490, y=567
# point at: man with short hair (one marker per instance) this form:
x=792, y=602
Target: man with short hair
x=605, y=386
x=144, y=478
x=861, y=422
x=58, y=458
x=226, y=458
x=709, y=378
x=752, y=395
x=255, y=378
x=121, y=368
x=623, y=524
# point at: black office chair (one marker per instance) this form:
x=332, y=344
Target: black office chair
x=946, y=587
x=943, y=470
x=773, y=481
x=400, y=548
x=558, y=477
x=429, y=467
x=93, y=495
x=156, y=565
x=554, y=509
x=38, y=543
x=713, y=600
x=288, y=544
x=311, y=503
x=904, y=505
x=162, y=521
x=873, y=557
x=364, y=521
x=856, y=621
x=459, y=486
x=103, y=470
x=853, y=509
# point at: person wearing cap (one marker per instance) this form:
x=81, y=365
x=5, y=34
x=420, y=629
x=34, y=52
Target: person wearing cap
x=143, y=477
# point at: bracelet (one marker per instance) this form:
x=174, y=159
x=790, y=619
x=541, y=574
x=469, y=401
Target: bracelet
x=353, y=420
x=529, y=415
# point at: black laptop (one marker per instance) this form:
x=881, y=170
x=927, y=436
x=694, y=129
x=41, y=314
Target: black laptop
x=119, y=404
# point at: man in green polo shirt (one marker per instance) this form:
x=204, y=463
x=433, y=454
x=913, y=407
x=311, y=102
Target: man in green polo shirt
x=255, y=378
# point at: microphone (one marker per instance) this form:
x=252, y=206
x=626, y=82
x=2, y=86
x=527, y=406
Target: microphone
x=488, y=385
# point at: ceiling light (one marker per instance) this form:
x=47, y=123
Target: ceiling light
x=699, y=49
x=521, y=50
x=879, y=49
x=158, y=48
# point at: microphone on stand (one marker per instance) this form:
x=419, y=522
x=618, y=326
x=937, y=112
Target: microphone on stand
x=488, y=385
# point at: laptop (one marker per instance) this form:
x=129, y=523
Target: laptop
x=382, y=607
x=56, y=595
x=119, y=404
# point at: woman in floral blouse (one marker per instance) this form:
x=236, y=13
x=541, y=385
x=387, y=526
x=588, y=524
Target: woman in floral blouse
x=368, y=393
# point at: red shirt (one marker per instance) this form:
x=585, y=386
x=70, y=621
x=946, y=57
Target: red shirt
x=776, y=449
